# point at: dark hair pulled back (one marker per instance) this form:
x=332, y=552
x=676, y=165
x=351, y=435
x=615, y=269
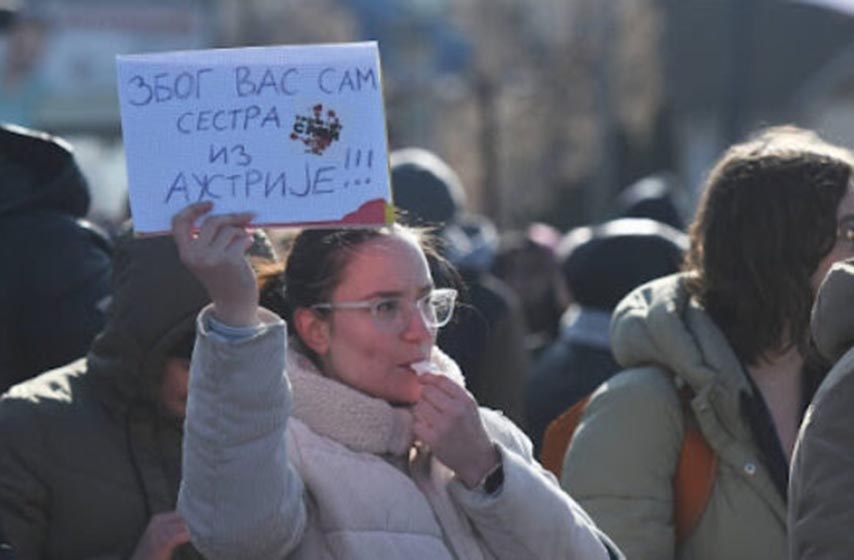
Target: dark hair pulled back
x=316, y=261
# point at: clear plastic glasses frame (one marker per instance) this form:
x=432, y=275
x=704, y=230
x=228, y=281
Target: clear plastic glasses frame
x=393, y=314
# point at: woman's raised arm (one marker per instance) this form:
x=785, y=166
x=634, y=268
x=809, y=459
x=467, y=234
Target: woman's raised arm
x=216, y=256
x=240, y=496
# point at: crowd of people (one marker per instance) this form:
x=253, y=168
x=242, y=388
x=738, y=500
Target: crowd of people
x=396, y=392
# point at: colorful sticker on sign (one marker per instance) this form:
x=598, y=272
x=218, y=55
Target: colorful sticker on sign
x=317, y=131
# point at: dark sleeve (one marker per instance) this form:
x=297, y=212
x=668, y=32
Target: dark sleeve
x=563, y=375
x=487, y=340
x=503, y=367
x=542, y=402
x=10, y=288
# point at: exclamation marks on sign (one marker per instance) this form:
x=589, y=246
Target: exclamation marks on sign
x=359, y=162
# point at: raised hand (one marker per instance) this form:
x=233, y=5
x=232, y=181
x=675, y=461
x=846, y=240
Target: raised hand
x=165, y=532
x=447, y=419
x=216, y=255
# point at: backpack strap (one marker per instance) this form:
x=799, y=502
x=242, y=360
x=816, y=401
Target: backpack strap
x=558, y=435
x=695, y=468
x=695, y=473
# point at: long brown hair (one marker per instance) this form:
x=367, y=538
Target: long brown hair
x=766, y=219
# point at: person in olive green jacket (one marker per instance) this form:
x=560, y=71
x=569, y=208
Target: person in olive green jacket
x=734, y=330
x=90, y=453
x=821, y=487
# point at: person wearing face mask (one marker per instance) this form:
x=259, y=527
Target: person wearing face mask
x=353, y=438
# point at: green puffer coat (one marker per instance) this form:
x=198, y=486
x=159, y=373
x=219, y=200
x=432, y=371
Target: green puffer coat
x=86, y=455
x=622, y=460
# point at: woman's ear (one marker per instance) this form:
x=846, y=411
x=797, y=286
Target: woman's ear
x=312, y=329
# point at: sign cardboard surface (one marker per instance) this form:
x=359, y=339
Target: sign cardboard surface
x=295, y=134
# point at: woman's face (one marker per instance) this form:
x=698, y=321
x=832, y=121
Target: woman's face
x=844, y=247
x=358, y=352
x=172, y=391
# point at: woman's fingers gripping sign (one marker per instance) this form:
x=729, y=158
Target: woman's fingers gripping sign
x=215, y=254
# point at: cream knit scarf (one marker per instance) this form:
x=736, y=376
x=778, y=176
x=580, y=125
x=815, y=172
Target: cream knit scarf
x=367, y=424
x=348, y=416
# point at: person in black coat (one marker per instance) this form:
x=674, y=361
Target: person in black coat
x=55, y=268
x=600, y=264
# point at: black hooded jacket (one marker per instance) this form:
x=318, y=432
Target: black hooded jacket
x=54, y=268
x=87, y=455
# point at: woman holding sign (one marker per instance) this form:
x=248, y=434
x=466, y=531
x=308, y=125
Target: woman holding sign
x=368, y=445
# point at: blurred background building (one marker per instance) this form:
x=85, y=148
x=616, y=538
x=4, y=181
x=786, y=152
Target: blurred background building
x=547, y=108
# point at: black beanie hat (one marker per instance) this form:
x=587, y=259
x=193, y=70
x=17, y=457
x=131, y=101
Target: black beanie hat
x=425, y=187
x=651, y=197
x=39, y=171
x=602, y=264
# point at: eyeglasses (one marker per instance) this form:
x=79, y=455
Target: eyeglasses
x=393, y=314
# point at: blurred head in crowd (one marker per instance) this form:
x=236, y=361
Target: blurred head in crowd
x=429, y=193
x=25, y=31
x=426, y=188
x=40, y=171
x=601, y=264
x=771, y=221
x=529, y=266
x=652, y=197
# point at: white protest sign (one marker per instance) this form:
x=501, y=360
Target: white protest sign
x=295, y=134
